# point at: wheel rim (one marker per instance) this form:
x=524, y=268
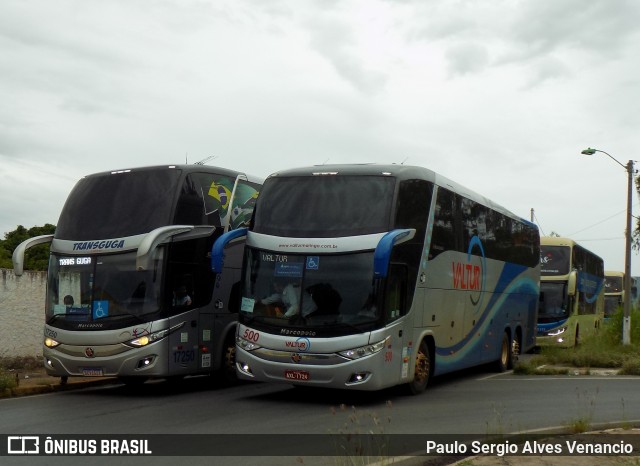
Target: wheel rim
x=423, y=367
x=230, y=360
x=515, y=349
x=504, y=355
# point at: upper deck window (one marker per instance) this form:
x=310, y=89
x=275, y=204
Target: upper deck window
x=118, y=205
x=325, y=206
x=554, y=260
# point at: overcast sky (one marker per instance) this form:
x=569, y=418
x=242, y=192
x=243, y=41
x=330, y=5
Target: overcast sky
x=498, y=95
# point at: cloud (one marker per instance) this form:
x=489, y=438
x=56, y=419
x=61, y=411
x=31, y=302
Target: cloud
x=466, y=58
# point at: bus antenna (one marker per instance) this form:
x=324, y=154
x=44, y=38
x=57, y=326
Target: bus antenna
x=203, y=161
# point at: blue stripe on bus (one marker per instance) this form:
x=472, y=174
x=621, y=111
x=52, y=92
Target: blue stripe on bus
x=551, y=325
x=509, y=288
x=590, y=284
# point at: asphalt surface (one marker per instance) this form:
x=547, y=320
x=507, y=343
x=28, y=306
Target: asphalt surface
x=36, y=381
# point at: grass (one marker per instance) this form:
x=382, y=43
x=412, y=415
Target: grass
x=20, y=363
x=604, y=350
x=362, y=438
x=8, y=366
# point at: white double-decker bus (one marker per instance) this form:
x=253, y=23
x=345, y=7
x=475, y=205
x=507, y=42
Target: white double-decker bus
x=370, y=276
x=130, y=288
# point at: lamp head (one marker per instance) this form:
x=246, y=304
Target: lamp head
x=588, y=151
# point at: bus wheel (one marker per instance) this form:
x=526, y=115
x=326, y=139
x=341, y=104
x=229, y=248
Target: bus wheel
x=228, y=366
x=515, y=350
x=504, y=361
x=423, y=370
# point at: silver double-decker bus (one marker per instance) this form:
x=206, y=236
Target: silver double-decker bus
x=130, y=289
x=369, y=276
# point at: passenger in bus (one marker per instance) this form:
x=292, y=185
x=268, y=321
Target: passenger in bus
x=322, y=299
x=286, y=294
x=68, y=301
x=180, y=297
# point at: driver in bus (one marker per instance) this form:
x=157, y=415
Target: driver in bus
x=286, y=294
x=68, y=301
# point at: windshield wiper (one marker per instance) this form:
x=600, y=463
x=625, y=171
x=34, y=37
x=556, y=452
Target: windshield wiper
x=55, y=317
x=118, y=316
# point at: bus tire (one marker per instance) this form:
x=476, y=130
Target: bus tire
x=227, y=372
x=504, y=361
x=423, y=370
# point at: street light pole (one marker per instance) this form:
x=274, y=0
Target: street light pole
x=626, y=323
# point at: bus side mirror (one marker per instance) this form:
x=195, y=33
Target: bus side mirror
x=18, y=252
x=217, y=250
x=382, y=253
x=571, y=286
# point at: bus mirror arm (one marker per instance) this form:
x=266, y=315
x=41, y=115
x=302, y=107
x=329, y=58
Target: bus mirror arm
x=18, y=253
x=571, y=285
x=151, y=241
x=217, y=251
x=382, y=254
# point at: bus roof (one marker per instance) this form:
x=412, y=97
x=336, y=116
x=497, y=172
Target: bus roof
x=192, y=168
x=613, y=273
x=557, y=241
x=402, y=172
x=563, y=241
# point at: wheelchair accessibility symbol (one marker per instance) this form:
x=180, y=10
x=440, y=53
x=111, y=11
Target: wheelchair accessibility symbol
x=313, y=262
x=100, y=309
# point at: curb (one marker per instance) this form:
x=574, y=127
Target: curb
x=55, y=387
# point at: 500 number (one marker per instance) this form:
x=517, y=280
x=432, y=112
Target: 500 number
x=251, y=335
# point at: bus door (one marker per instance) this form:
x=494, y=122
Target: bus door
x=400, y=349
x=183, y=342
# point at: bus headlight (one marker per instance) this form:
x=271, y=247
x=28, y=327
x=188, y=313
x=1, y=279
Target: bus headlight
x=145, y=340
x=556, y=332
x=246, y=344
x=364, y=351
x=148, y=339
x=50, y=343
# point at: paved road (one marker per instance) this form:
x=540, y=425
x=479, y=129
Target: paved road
x=477, y=404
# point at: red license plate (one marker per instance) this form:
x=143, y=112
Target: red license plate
x=296, y=375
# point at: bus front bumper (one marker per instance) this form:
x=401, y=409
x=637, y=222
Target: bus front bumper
x=323, y=370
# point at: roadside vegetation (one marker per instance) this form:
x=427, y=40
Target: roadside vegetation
x=37, y=258
x=604, y=350
x=9, y=367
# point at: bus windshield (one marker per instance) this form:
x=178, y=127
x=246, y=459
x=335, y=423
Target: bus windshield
x=333, y=206
x=553, y=303
x=306, y=291
x=106, y=289
x=613, y=284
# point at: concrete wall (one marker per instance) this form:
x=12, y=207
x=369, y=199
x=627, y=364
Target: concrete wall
x=21, y=313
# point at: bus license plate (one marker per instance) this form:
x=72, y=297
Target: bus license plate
x=92, y=372
x=296, y=375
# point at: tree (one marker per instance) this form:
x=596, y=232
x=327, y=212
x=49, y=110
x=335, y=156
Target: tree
x=36, y=258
